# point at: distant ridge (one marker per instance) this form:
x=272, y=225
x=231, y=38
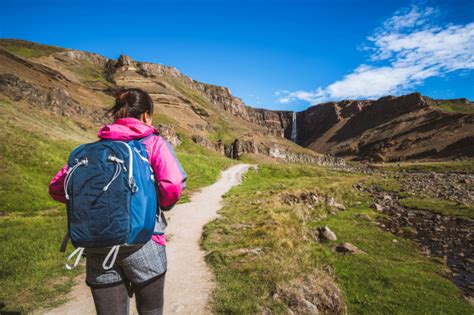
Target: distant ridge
x=80, y=84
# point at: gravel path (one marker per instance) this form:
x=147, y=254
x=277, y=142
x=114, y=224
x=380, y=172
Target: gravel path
x=189, y=282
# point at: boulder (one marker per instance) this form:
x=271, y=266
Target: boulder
x=348, y=248
x=362, y=216
x=310, y=307
x=331, y=202
x=326, y=234
x=314, y=294
x=250, y=251
x=169, y=133
x=377, y=207
x=124, y=60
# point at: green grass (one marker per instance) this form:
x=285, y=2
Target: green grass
x=202, y=165
x=32, y=269
x=28, y=49
x=456, y=107
x=90, y=73
x=441, y=206
x=439, y=167
x=203, y=170
x=29, y=162
x=393, y=278
x=389, y=183
x=224, y=130
x=164, y=119
x=189, y=93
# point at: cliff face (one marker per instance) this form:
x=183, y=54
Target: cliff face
x=80, y=84
x=276, y=123
x=391, y=128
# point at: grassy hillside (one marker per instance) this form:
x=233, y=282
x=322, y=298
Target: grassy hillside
x=466, y=166
x=35, y=144
x=264, y=251
x=28, y=49
x=456, y=106
x=202, y=166
x=32, y=224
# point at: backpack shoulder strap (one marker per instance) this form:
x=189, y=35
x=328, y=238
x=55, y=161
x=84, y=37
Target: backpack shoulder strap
x=146, y=137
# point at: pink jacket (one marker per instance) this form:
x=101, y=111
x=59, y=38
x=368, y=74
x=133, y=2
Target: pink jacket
x=170, y=175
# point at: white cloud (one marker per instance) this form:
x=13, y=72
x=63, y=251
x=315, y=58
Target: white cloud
x=408, y=48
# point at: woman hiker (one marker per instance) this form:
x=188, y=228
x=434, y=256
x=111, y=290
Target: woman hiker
x=139, y=269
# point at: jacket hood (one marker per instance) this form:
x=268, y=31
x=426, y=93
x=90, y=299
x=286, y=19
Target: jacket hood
x=126, y=129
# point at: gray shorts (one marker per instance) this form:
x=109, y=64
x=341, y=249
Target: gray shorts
x=138, y=266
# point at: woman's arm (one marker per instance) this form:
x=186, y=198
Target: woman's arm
x=56, y=186
x=168, y=171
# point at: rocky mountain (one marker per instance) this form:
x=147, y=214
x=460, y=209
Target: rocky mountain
x=79, y=86
x=390, y=128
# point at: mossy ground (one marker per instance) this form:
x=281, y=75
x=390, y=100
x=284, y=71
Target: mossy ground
x=392, y=278
x=425, y=201
x=441, y=206
x=90, y=74
x=466, y=166
x=27, y=49
x=456, y=107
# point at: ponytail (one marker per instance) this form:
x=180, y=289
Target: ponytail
x=131, y=103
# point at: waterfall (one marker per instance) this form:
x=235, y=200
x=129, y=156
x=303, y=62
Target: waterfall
x=294, y=134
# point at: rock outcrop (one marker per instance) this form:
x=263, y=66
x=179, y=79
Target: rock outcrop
x=347, y=128
x=57, y=100
x=167, y=131
x=82, y=56
x=317, y=293
x=388, y=129
x=278, y=123
x=248, y=145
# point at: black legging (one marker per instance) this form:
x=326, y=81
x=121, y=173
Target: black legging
x=115, y=299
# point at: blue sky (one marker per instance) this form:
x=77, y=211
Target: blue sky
x=273, y=54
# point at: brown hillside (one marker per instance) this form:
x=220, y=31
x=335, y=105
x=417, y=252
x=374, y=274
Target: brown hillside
x=390, y=129
x=79, y=86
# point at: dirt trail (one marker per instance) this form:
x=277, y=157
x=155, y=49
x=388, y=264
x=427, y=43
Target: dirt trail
x=189, y=282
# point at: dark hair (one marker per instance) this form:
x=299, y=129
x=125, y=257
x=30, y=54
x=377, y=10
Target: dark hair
x=131, y=103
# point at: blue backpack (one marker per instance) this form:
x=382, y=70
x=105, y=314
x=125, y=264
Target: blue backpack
x=111, y=193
